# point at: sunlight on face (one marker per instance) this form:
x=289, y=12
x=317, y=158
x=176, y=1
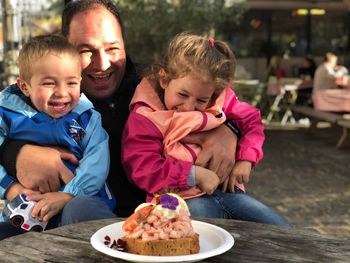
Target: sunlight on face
x=54, y=87
x=98, y=37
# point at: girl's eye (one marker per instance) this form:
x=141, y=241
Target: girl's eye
x=202, y=101
x=183, y=95
x=48, y=83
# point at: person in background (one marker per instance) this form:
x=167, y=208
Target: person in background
x=327, y=94
x=109, y=80
x=46, y=107
x=307, y=70
x=274, y=73
x=275, y=69
x=189, y=92
x=306, y=73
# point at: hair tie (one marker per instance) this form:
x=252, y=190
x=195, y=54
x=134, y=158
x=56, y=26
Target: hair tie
x=211, y=41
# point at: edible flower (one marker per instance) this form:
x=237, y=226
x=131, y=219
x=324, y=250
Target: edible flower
x=168, y=201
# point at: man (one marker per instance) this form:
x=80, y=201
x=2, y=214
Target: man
x=109, y=80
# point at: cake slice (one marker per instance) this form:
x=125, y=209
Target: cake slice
x=168, y=247
x=161, y=228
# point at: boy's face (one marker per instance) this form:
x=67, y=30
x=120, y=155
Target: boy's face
x=187, y=94
x=54, y=87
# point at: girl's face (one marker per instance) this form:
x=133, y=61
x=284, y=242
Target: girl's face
x=187, y=93
x=54, y=87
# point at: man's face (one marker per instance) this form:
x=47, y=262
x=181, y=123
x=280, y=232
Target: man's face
x=97, y=35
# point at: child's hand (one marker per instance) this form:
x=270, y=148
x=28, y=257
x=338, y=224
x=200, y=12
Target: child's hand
x=206, y=180
x=16, y=189
x=241, y=171
x=49, y=204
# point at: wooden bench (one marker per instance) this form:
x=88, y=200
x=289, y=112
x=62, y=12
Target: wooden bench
x=331, y=117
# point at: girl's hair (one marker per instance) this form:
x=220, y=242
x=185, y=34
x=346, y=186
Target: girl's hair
x=40, y=46
x=208, y=59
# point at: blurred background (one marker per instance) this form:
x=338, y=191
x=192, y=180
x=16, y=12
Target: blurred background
x=255, y=29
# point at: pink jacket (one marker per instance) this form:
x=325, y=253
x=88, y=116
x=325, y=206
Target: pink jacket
x=152, y=155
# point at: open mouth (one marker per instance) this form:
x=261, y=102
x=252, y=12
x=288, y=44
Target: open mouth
x=101, y=77
x=59, y=106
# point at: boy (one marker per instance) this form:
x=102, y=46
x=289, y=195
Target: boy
x=45, y=107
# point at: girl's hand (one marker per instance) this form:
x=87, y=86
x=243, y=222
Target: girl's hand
x=240, y=173
x=48, y=204
x=206, y=180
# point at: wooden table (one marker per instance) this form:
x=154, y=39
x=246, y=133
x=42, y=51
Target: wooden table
x=253, y=243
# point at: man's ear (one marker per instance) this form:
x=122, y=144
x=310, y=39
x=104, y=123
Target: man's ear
x=23, y=86
x=163, y=79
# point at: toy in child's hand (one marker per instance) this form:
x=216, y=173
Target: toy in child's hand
x=19, y=211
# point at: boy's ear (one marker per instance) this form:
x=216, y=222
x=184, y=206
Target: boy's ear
x=23, y=86
x=163, y=80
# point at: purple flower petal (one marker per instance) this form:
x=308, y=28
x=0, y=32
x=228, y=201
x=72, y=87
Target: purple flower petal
x=169, y=201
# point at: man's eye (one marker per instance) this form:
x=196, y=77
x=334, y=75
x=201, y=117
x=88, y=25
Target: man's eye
x=85, y=51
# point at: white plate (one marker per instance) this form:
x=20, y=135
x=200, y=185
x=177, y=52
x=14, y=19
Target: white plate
x=213, y=241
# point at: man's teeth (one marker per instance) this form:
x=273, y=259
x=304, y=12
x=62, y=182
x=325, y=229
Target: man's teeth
x=101, y=77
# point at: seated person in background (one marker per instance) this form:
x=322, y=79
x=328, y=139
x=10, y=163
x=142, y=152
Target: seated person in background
x=307, y=70
x=275, y=69
x=327, y=95
x=46, y=107
x=274, y=74
x=191, y=92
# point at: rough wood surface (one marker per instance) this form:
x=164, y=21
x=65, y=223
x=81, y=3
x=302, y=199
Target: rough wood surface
x=253, y=243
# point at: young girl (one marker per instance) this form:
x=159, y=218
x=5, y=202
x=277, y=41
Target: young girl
x=190, y=92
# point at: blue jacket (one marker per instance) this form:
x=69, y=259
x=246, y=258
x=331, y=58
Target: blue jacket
x=80, y=132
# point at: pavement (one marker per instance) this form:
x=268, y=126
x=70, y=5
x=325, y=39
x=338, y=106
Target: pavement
x=306, y=179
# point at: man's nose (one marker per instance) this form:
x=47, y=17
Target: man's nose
x=101, y=61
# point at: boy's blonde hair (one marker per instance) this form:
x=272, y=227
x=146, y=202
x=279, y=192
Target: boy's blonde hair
x=209, y=59
x=40, y=46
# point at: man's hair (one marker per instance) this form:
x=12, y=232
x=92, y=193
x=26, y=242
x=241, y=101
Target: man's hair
x=77, y=6
x=40, y=46
x=209, y=59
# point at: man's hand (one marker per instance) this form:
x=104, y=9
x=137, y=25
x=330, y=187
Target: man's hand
x=218, y=150
x=41, y=168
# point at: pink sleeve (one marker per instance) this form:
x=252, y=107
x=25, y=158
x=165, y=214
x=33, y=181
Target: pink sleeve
x=143, y=160
x=248, y=120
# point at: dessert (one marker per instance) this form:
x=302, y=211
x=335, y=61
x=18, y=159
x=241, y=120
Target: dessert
x=161, y=228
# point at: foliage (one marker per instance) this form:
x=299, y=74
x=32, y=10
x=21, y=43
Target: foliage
x=150, y=24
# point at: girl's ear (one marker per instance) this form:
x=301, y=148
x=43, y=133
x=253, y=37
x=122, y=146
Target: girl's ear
x=163, y=80
x=23, y=86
